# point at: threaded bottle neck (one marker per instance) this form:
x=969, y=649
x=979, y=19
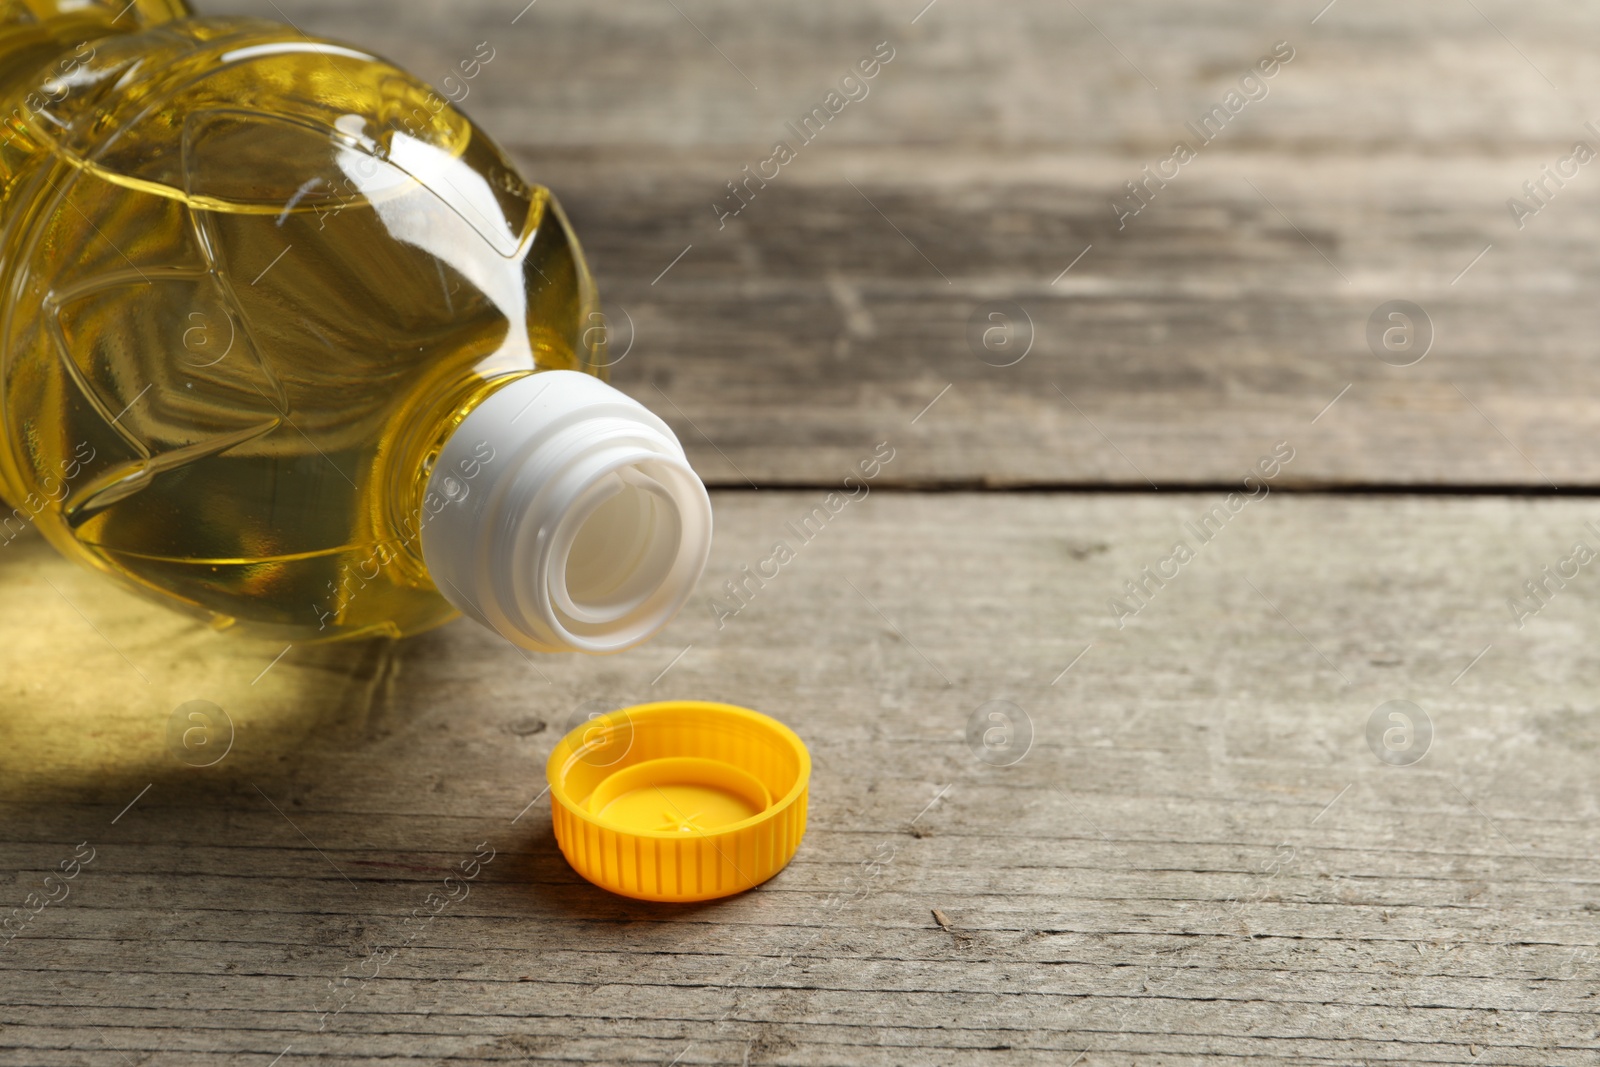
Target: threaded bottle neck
x=563, y=514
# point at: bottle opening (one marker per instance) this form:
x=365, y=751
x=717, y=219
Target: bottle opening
x=622, y=552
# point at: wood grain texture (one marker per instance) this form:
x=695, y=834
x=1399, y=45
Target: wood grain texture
x=985, y=159
x=1198, y=860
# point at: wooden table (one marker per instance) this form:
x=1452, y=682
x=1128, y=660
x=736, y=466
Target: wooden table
x=1199, y=855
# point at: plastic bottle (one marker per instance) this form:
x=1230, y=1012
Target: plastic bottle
x=288, y=342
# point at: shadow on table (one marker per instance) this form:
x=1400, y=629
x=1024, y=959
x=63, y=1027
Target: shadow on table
x=103, y=693
x=104, y=696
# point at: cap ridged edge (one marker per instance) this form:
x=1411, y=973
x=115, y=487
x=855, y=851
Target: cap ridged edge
x=670, y=867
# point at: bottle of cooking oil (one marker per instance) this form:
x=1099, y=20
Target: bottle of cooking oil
x=288, y=343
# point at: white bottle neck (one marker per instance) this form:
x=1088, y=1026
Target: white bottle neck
x=563, y=514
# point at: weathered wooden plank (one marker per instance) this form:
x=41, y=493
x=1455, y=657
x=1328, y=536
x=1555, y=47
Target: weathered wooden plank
x=634, y=73
x=1199, y=858
x=810, y=330
x=638, y=995
x=1232, y=308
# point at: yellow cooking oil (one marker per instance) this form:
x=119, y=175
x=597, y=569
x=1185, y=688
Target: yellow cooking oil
x=251, y=282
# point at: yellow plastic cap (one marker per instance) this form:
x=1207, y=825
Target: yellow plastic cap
x=681, y=800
